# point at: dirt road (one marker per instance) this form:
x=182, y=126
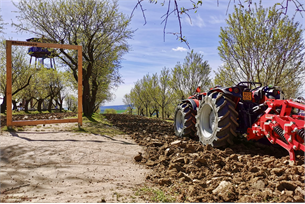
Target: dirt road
x=51, y=164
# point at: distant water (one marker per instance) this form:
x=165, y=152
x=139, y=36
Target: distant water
x=120, y=107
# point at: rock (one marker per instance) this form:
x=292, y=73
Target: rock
x=178, y=160
x=192, y=190
x=168, y=151
x=162, y=158
x=254, y=169
x=266, y=193
x=177, y=142
x=189, y=149
x=150, y=163
x=277, y=171
x=202, y=160
x=233, y=157
x=228, y=151
x=285, y=185
x=260, y=185
x=138, y=157
x=164, y=181
x=174, y=166
x=299, y=199
x=222, y=187
x=300, y=190
x=268, y=160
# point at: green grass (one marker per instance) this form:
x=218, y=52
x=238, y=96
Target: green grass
x=154, y=195
x=97, y=124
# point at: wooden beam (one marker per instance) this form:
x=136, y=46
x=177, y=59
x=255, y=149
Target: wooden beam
x=9, y=44
x=49, y=45
x=80, y=85
x=9, y=83
x=36, y=122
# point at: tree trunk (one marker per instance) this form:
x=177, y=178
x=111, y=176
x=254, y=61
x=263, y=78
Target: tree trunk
x=3, y=105
x=50, y=105
x=40, y=101
x=88, y=110
x=26, y=105
x=14, y=105
x=157, y=113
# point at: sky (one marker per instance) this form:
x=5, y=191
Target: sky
x=149, y=51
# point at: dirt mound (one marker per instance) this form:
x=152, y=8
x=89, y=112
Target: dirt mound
x=245, y=172
x=39, y=116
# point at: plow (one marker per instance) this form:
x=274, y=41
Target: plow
x=247, y=109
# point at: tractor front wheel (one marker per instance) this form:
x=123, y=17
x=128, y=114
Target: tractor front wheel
x=216, y=120
x=184, y=120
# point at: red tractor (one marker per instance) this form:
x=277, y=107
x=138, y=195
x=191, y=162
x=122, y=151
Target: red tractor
x=219, y=115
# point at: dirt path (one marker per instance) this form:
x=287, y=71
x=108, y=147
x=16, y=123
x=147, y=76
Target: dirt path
x=51, y=164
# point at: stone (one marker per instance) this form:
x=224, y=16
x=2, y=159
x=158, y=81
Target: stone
x=178, y=160
x=162, y=158
x=260, y=185
x=150, y=163
x=228, y=151
x=300, y=190
x=189, y=149
x=298, y=199
x=285, y=185
x=222, y=187
x=254, y=169
x=233, y=157
x=177, y=142
x=277, y=171
x=164, y=181
x=268, y=160
x=138, y=157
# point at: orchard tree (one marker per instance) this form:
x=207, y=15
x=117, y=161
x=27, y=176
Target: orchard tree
x=96, y=25
x=128, y=101
x=21, y=72
x=159, y=89
x=262, y=46
x=188, y=76
x=184, y=8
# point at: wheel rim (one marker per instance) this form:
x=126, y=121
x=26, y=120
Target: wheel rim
x=207, y=118
x=179, y=121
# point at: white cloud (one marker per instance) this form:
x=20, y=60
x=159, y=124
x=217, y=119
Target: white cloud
x=198, y=21
x=181, y=49
x=201, y=52
x=217, y=19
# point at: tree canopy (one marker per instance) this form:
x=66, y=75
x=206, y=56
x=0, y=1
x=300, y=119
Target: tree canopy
x=262, y=46
x=179, y=9
x=97, y=25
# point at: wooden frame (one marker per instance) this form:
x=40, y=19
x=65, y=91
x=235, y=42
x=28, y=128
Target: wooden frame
x=9, y=118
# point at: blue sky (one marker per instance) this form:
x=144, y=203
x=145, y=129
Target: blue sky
x=149, y=52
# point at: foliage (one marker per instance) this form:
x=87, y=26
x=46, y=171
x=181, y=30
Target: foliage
x=110, y=111
x=72, y=102
x=262, y=46
x=192, y=73
x=127, y=101
x=162, y=92
x=97, y=26
x=174, y=8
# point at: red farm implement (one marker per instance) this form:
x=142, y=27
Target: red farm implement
x=219, y=115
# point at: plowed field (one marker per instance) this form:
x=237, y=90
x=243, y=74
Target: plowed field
x=244, y=172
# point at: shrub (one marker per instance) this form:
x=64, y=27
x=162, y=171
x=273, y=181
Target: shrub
x=110, y=111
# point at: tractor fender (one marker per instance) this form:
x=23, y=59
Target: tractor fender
x=225, y=91
x=193, y=102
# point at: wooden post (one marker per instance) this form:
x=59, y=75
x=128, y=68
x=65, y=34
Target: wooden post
x=9, y=84
x=80, y=85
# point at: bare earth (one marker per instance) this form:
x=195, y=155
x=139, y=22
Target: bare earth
x=52, y=164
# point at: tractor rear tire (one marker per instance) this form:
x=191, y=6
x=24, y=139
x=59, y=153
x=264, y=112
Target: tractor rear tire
x=216, y=120
x=184, y=120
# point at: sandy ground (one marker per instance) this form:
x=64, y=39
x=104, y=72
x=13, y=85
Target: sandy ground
x=51, y=164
